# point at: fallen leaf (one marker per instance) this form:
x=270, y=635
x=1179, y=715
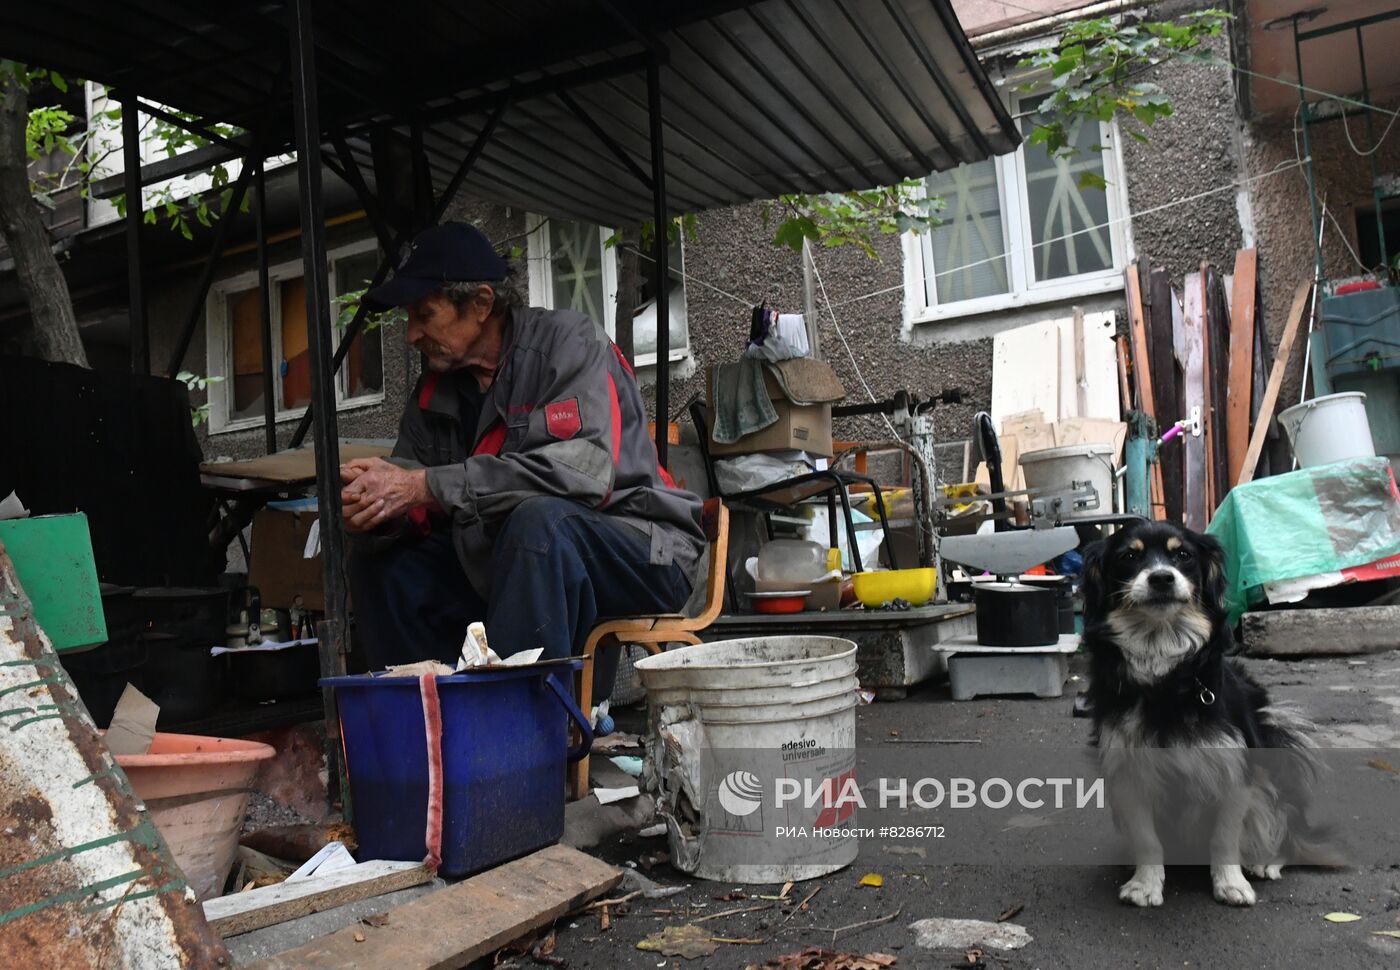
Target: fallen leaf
x=359, y=937
x=1391, y=933
x=872, y=879
x=376, y=919
x=680, y=941
x=1341, y=917
x=732, y=896
x=1010, y=912
x=1380, y=765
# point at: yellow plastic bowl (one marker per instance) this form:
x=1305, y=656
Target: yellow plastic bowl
x=879, y=587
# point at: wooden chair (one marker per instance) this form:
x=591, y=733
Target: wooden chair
x=654, y=632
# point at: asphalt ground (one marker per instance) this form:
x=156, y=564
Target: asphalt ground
x=1071, y=912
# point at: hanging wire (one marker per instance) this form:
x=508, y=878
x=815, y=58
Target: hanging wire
x=842, y=334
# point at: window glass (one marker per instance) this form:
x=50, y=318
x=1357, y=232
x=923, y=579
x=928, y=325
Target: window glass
x=363, y=370
x=969, y=247
x=576, y=268
x=245, y=338
x=1059, y=209
x=296, y=362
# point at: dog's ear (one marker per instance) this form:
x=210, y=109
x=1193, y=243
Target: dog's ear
x=1094, y=585
x=1213, y=582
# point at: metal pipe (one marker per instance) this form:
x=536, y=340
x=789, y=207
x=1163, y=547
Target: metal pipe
x=138, y=326
x=661, y=254
x=358, y=320
x=269, y=382
x=333, y=631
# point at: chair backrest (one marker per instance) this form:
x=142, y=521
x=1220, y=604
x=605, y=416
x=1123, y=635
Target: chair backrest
x=700, y=417
x=715, y=521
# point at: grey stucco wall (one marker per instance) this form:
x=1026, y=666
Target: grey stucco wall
x=1283, y=217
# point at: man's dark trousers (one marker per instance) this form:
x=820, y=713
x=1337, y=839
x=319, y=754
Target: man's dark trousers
x=557, y=568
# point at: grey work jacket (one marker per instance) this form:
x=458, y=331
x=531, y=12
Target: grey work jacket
x=563, y=418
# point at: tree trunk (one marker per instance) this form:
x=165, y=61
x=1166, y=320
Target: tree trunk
x=54, y=329
x=627, y=284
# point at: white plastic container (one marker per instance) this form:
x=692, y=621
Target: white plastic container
x=1055, y=467
x=1329, y=429
x=726, y=720
x=794, y=561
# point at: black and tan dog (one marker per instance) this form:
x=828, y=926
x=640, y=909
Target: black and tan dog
x=1191, y=749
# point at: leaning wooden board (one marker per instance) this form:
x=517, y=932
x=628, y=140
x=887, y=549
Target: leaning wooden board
x=269, y=905
x=296, y=465
x=1271, y=391
x=452, y=927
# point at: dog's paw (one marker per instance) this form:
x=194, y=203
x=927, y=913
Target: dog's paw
x=1144, y=889
x=1264, y=872
x=1233, y=889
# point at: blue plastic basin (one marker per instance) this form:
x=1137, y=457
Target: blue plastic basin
x=505, y=742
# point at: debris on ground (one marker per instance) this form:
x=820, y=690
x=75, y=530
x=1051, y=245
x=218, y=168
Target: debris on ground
x=634, y=882
x=872, y=879
x=815, y=958
x=782, y=894
x=1341, y=917
x=1012, y=910
x=938, y=933
x=687, y=941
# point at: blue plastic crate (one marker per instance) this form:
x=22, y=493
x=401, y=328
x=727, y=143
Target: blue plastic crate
x=505, y=743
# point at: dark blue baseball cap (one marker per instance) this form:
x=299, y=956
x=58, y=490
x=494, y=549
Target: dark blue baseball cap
x=453, y=252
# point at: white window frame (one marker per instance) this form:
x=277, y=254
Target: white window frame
x=219, y=337
x=542, y=286
x=1025, y=290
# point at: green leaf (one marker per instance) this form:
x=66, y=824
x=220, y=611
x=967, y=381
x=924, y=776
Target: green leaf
x=1091, y=180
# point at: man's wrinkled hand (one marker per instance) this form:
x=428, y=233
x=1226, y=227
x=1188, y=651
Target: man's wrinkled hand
x=377, y=491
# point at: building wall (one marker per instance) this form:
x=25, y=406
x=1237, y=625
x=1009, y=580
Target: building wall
x=1283, y=215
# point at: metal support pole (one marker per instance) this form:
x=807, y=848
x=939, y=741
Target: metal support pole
x=1307, y=149
x=360, y=317
x=422, y=180
x=333, y=630
x=1370, y=140
x=269, y=381
x=135, y=290
x=661, y=253
x=211, y=265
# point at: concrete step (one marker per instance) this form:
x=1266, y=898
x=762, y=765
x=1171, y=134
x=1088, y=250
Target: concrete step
x=1321, y=632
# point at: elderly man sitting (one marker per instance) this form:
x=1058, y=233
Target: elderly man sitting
x=523, y=490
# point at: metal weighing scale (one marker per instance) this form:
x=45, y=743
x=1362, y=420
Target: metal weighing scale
x=1018, y=648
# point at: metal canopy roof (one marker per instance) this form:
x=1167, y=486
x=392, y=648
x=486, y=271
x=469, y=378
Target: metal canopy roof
x=758, y=98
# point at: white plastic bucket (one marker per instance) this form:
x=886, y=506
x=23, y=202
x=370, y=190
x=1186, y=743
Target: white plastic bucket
x=727, y=719
x=1328, y=429
x=1056, y=467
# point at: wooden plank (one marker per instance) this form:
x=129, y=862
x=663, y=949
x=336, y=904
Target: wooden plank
x=1193, y=396
x=1217, y=333
x=1125, y=387
x=1160, y=332
x=296, y=465
x=1089, y=431
x=448, y=929
x=1026, y=371
x=1099, y=358
x=1242, y=311
x=1081, y=378
x=1137, y=333
x=269, y=905
x=1271, y=392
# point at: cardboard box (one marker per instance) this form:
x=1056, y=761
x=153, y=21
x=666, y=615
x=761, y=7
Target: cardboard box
x=279, y=570
x=800, y=427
